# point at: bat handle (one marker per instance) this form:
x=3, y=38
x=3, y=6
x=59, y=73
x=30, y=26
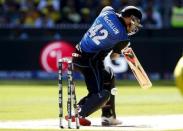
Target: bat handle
x=128, y=45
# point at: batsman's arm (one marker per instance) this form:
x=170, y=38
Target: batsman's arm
x=114, y=56
x=116, y=52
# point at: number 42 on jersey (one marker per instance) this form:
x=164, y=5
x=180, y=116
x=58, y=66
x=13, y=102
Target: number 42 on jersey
x=98, y=33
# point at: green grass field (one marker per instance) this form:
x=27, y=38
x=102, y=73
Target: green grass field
x=25, y=100
x=31, y=100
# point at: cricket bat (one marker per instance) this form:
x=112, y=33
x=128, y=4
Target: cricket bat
x=136, y=68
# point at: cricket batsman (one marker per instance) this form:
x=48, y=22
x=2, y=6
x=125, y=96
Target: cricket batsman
x=109, y=33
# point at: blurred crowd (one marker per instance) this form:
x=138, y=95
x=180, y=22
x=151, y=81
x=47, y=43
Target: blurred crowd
x=86, y=11
x=30, y=13
x=48, y=13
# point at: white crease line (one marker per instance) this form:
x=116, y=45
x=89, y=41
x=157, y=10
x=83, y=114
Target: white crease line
x=158, y=122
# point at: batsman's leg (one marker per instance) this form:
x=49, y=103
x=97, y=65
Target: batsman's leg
x=94, y=102
x=108, y=111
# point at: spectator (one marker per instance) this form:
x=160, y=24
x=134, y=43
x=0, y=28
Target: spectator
x=177, y=14
x=152, y=18
x=69, y=12
x=155, y=3
x=26, y=12
x=44, y=20
x=85, y=13
x=54, y=3
x=102, y=4
x=87, y=10
x=54, y=14
x=30, y=17
x=135, y=2
x=29, y=12
x=10, y=13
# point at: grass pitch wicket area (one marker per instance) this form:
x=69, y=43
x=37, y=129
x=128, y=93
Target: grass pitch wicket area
x=39, y=100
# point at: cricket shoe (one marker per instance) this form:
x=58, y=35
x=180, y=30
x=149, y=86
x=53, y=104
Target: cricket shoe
x=109, y=121
x=82, y=121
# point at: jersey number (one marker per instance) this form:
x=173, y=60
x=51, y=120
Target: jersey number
x=101, y=36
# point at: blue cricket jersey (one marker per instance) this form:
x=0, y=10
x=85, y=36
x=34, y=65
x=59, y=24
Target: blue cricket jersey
x=106, y=31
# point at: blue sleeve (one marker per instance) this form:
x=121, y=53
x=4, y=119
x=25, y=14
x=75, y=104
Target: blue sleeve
x=107, y=8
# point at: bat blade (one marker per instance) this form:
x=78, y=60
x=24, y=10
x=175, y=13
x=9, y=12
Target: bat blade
x=136, y=68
